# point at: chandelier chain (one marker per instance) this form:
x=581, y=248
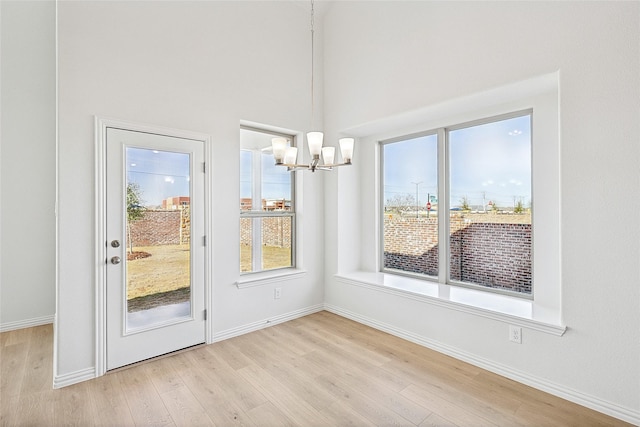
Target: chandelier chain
x=312, y=64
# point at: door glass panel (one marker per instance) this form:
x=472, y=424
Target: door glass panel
x=158, y=236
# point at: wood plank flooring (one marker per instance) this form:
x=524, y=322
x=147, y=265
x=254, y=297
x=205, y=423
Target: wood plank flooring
x=319, y=370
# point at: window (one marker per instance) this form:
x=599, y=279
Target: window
x=410, y=174
x=267, y=208
x=462, y=193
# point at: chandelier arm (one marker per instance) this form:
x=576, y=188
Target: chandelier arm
x=335, y=165
x=294, y=166
x=297, y=166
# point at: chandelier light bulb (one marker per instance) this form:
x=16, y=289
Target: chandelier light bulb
x=346, y=149
x=279, y=145
x=328, y=155
x=291, y=155
x=314, y=139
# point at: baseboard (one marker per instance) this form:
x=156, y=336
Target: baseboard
x=261, y=324
x=27, y=323
x=612, y=409
x=60, y=381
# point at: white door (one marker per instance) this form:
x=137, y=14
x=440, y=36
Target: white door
x=155, y=248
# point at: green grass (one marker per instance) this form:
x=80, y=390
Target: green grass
x=272, y=257
x=167, y=269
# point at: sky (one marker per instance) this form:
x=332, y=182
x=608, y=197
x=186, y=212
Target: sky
x=410, y=166
x=160, y=174
x=256, y=156
x=276, y=180
x=489, y=162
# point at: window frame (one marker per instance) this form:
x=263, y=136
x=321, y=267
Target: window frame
x=444, y=200
x=381, y=258
x=248, y=276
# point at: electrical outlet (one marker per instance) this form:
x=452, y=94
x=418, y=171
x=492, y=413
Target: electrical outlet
x=515, y=334
x=277, y=293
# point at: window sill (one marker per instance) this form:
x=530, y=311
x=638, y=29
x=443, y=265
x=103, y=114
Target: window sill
x=267, y=277
x=504, y=308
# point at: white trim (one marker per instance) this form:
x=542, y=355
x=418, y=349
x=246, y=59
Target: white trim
x=265, y=323
x=71, y=378
x=592, y=402
x=101, y=125
x=27, y=323
x=56, y=206
x=259, y=279
x=209, y=197
x=511, y=310
x=100, y=254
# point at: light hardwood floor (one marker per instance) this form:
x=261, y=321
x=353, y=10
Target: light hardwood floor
x=319, y=370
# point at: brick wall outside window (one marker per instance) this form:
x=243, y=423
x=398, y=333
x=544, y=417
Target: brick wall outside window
x=162, y=227
x=486, y=249
x=275, y=231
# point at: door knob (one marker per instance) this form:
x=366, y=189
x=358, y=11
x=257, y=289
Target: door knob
x=115, y=260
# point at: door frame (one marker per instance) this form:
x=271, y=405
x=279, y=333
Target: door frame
x=100, y=184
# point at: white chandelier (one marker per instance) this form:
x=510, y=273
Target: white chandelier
x=288, y=156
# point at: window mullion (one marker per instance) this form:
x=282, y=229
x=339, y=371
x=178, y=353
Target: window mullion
x=256, y=204
x=443, y=207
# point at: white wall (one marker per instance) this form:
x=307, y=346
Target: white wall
x=197, y=66
x=206, y=66
x=27, y=164
x=387, y=58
